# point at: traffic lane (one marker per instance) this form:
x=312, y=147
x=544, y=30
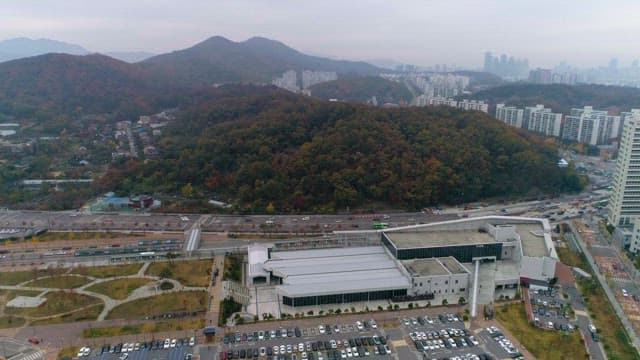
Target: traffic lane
x=595, y=351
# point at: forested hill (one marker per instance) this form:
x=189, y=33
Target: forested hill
x=561, y=98
x=308, y=155
x=51, y=85
x=362, y=89
x=256, y=60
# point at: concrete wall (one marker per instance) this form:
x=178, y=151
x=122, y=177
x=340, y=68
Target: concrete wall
x=441, y=285
x=539, y=268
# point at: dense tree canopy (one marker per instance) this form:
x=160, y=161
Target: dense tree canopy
x=304, y=155
x=362, y=89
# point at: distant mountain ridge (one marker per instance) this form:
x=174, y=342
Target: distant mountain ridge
x=257, y=60
x=17, y=48
x=97, y=83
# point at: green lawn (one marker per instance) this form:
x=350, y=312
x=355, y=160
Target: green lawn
x=90, y=313
x=17, y=277
x=161, y=304
x=12, y=294
x=187, y=272
x=108, y=270
x=57, y=302
x=119, y=289
x=11, y=321
x=60, y=282
x=144, y=328
x=543, y=344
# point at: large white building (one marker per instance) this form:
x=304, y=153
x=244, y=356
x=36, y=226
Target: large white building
x=478, y=260
x=595, y=127
x=510, y=115
x=542, y=120
x=477, y=105
x=624, y=202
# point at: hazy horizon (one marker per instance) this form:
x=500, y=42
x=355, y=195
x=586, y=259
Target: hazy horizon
x=582, y=33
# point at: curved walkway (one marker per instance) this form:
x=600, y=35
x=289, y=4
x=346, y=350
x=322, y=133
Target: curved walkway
x=148, y=290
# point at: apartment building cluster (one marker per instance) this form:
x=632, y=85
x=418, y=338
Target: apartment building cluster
x=624, y=201
x=465, y=104
x=586, y=125
x=289, y=79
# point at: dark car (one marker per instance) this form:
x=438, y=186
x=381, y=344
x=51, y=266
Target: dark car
x=297, y=332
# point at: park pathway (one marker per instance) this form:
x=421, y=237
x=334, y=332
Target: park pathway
x=215, y=291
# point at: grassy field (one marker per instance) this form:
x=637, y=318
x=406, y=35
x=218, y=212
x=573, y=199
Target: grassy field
x=11, y=321
x=57, y=302
x=90, y=313
x=232, y=267
x=149, y=327
x=188, y=272
x=12, y=294
x=80, y=235
x=119, y=289
x=108, y=270
x=69, y=352
x=60, y=282
x=543, y=344
x=161, y=304
x=17, y=277
x=616, y=343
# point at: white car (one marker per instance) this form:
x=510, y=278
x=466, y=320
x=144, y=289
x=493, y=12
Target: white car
x=192, y=341
x=283, y=349
x=625, y=293
x=321, y=329
x=173, y=343
x=373, y=324
x=301, y=347
x=386, y=348
x=348, y=351
x=136, y=347
x=289, y=349
x=320, y=357
x=304, y=355
x=84, y=351
x=167, y=344
x=360, y=326
x=343, y=354
x=333, y=344
x=124, y=356
x=276, y=350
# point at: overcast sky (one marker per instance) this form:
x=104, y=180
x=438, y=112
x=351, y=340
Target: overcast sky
x=422, y=32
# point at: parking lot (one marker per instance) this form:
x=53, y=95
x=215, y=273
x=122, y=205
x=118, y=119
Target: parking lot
x=444, y=336
x=361, y=339
x=167, y=349
x=551, y=312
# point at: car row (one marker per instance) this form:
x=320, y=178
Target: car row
x=429, y=320
x=443, y=333
x=357, y=347
x=505, y=343
x=151, y=345
x=279, y=353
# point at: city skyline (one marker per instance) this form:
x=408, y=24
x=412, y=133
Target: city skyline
x=583, y=34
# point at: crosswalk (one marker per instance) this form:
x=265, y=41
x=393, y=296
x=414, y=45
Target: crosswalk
x=37, y=355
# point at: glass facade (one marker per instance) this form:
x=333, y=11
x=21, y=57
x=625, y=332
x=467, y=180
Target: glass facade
x=389, y=245
x=342, y=298
x=463, y=253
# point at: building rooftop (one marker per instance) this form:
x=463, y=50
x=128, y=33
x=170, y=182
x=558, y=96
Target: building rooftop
x=532, y=238
x=405, y=240
x=425, y=267
x=453, y=265
x=331, y=271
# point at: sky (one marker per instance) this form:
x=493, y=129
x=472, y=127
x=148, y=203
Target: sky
x=583, y=33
